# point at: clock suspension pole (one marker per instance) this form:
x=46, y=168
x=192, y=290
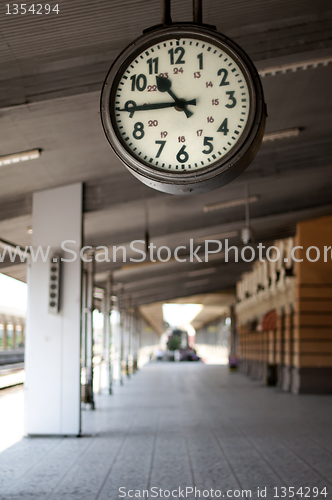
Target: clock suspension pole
x=197, y=12
x=167, y=19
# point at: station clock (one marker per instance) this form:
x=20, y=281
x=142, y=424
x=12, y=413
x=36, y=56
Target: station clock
x=183, y=109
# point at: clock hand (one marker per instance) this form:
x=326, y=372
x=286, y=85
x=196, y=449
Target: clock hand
x=164, y=85
x=131, y=107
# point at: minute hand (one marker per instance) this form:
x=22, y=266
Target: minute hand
x=157, y=105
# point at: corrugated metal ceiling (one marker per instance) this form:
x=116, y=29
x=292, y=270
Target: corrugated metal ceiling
x=83, y=25
x=55, y=55
x=44, y=57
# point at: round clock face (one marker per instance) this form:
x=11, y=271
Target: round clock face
x=181, y=103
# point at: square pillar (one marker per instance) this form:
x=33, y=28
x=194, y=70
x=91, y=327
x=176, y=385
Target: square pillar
x=280, y=344
x=52, y=357
x=312, y=349
x=288, y=350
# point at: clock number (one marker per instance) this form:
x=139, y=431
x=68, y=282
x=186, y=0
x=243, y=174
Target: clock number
x=162, y=145
x=223, y=72
x=223, y=127
x=152, y=123
x=130, y=107
x=197, y=74
x=199, y=132
x=210, y=119
x=232, y=98
x=215, y=102
x=163, y=134
x=138, y=83
x=182, y=155
x=200, y=58
x=153, y=65
x=138, y=132
x=133, y=83
x=208, y=84
x=180, y=56
x=181, y=138
x=207, y=142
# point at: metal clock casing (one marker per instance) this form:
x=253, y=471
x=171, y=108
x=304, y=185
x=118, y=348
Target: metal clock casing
x=196, y=180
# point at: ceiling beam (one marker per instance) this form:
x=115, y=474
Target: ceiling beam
x=287, y=220
x=222, y=278
x=168, y=294
x=74, y=72
x=273, y=161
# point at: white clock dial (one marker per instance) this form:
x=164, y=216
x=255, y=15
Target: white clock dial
x=181, y=105
x=183, y=109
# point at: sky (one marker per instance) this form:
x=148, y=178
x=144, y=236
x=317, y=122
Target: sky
x=13, y=293
x=180, y=314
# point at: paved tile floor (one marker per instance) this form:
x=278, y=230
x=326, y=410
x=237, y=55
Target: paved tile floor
x=11, y=417
x=181, y=425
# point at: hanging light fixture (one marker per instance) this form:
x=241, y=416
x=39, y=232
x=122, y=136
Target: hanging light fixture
x=247, y=234
x=18, y=157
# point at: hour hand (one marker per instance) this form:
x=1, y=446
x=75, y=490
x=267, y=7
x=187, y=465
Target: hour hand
x=164, y=85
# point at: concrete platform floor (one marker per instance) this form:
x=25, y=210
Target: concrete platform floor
x=181, y=425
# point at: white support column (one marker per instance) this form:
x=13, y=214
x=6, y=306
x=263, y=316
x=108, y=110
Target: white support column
x=139, y=337
x=130, y=339
x=107, y=327
x=136, y=338
x=83, y=337
x=52, y=357
x=115, y=344
x=89, y=331
x=102, y=365
x=121, y=335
